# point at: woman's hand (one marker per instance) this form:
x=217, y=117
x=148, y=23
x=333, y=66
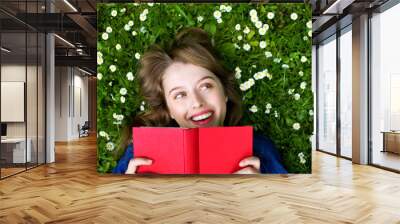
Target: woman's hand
x=251, y=164
x=135, y=163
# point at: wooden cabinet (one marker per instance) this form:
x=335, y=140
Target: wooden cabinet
x=391, y=142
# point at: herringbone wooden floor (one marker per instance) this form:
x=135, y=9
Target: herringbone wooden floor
x=71, y=191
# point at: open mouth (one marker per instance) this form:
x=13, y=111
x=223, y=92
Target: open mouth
x=202, y=119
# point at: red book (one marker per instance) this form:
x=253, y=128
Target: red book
x=214, y=150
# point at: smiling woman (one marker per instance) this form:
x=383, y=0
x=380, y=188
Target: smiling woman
x=185, y=85
x=256, y=50
x=175, y=79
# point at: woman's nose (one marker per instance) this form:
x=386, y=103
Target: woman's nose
x=197, y=100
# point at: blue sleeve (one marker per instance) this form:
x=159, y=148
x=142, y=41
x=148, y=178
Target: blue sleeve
x=124, y=161
x=269, y=157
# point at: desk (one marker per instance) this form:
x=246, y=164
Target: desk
x=391, y=141
x=18, y=150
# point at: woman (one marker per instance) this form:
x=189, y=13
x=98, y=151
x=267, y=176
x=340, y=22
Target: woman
x=186, y=86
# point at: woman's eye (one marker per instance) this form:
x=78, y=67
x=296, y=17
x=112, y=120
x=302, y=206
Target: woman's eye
x=179, y=96
x=206, y=86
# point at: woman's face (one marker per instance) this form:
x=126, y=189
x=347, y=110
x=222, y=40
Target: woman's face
x=195, y=96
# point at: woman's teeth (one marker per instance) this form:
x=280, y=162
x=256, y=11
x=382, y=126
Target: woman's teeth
x=202, y=117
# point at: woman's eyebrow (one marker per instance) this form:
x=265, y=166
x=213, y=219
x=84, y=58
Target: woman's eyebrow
x=206, y=77
x=175, y=88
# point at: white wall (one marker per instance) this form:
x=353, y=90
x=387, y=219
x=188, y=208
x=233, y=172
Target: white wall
x=69, y=82
x=314, y=89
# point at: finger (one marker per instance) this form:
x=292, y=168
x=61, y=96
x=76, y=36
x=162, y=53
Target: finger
x=250, y=161
x=141, y=161
x=134, y=163
x=247, y=170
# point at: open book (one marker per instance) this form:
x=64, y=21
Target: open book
x=214, y=150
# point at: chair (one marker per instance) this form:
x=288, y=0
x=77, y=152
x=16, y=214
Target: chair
x=84, y=130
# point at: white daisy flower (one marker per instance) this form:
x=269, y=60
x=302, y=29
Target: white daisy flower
x=145, y=11
x=270, y=15
x=141, y=108
x=127, y=27
x=290, y=91
x=263, y=44
x=301, y=73
x=228, y=8
x=130, y=23
x=142, y=17
x=293, y=16
x=217, y=14
x=303, y=85
x=265, y=27
x=119, y=117
x=311, y=112
x=99, y=60
x=251, y=82
x=113, y=68
x=110, y=146
x=123, y=91
x=276, y=114
x=200, y=18
x=296, y=96
x=108, y=29
x=150, y=4
x=129, y=76
x=240, y=37
x=123, y=10
x=296, y=126
x=104, y=36
x=103, y=134
x=110, y=84
x=268, y=106
x=253, y=108
x=253, y=13
x=303, y=59
x=237, y=27
x=122, y=99
x=246, y=47
x=310, y=33
x=285, y=66
x=301, y=157
x=305, y=38
x=137, y=56
x=238, y=73
x=262, y=31
x=268, y=54
x=258, y=24
x=134, y=33
x=114, y=13
x=309, y=24
x=277, y=60
x=269, y=76
x=99, y=76
x=246, y=30
x=118, y=47
x=254, y=19
x=219, y=20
